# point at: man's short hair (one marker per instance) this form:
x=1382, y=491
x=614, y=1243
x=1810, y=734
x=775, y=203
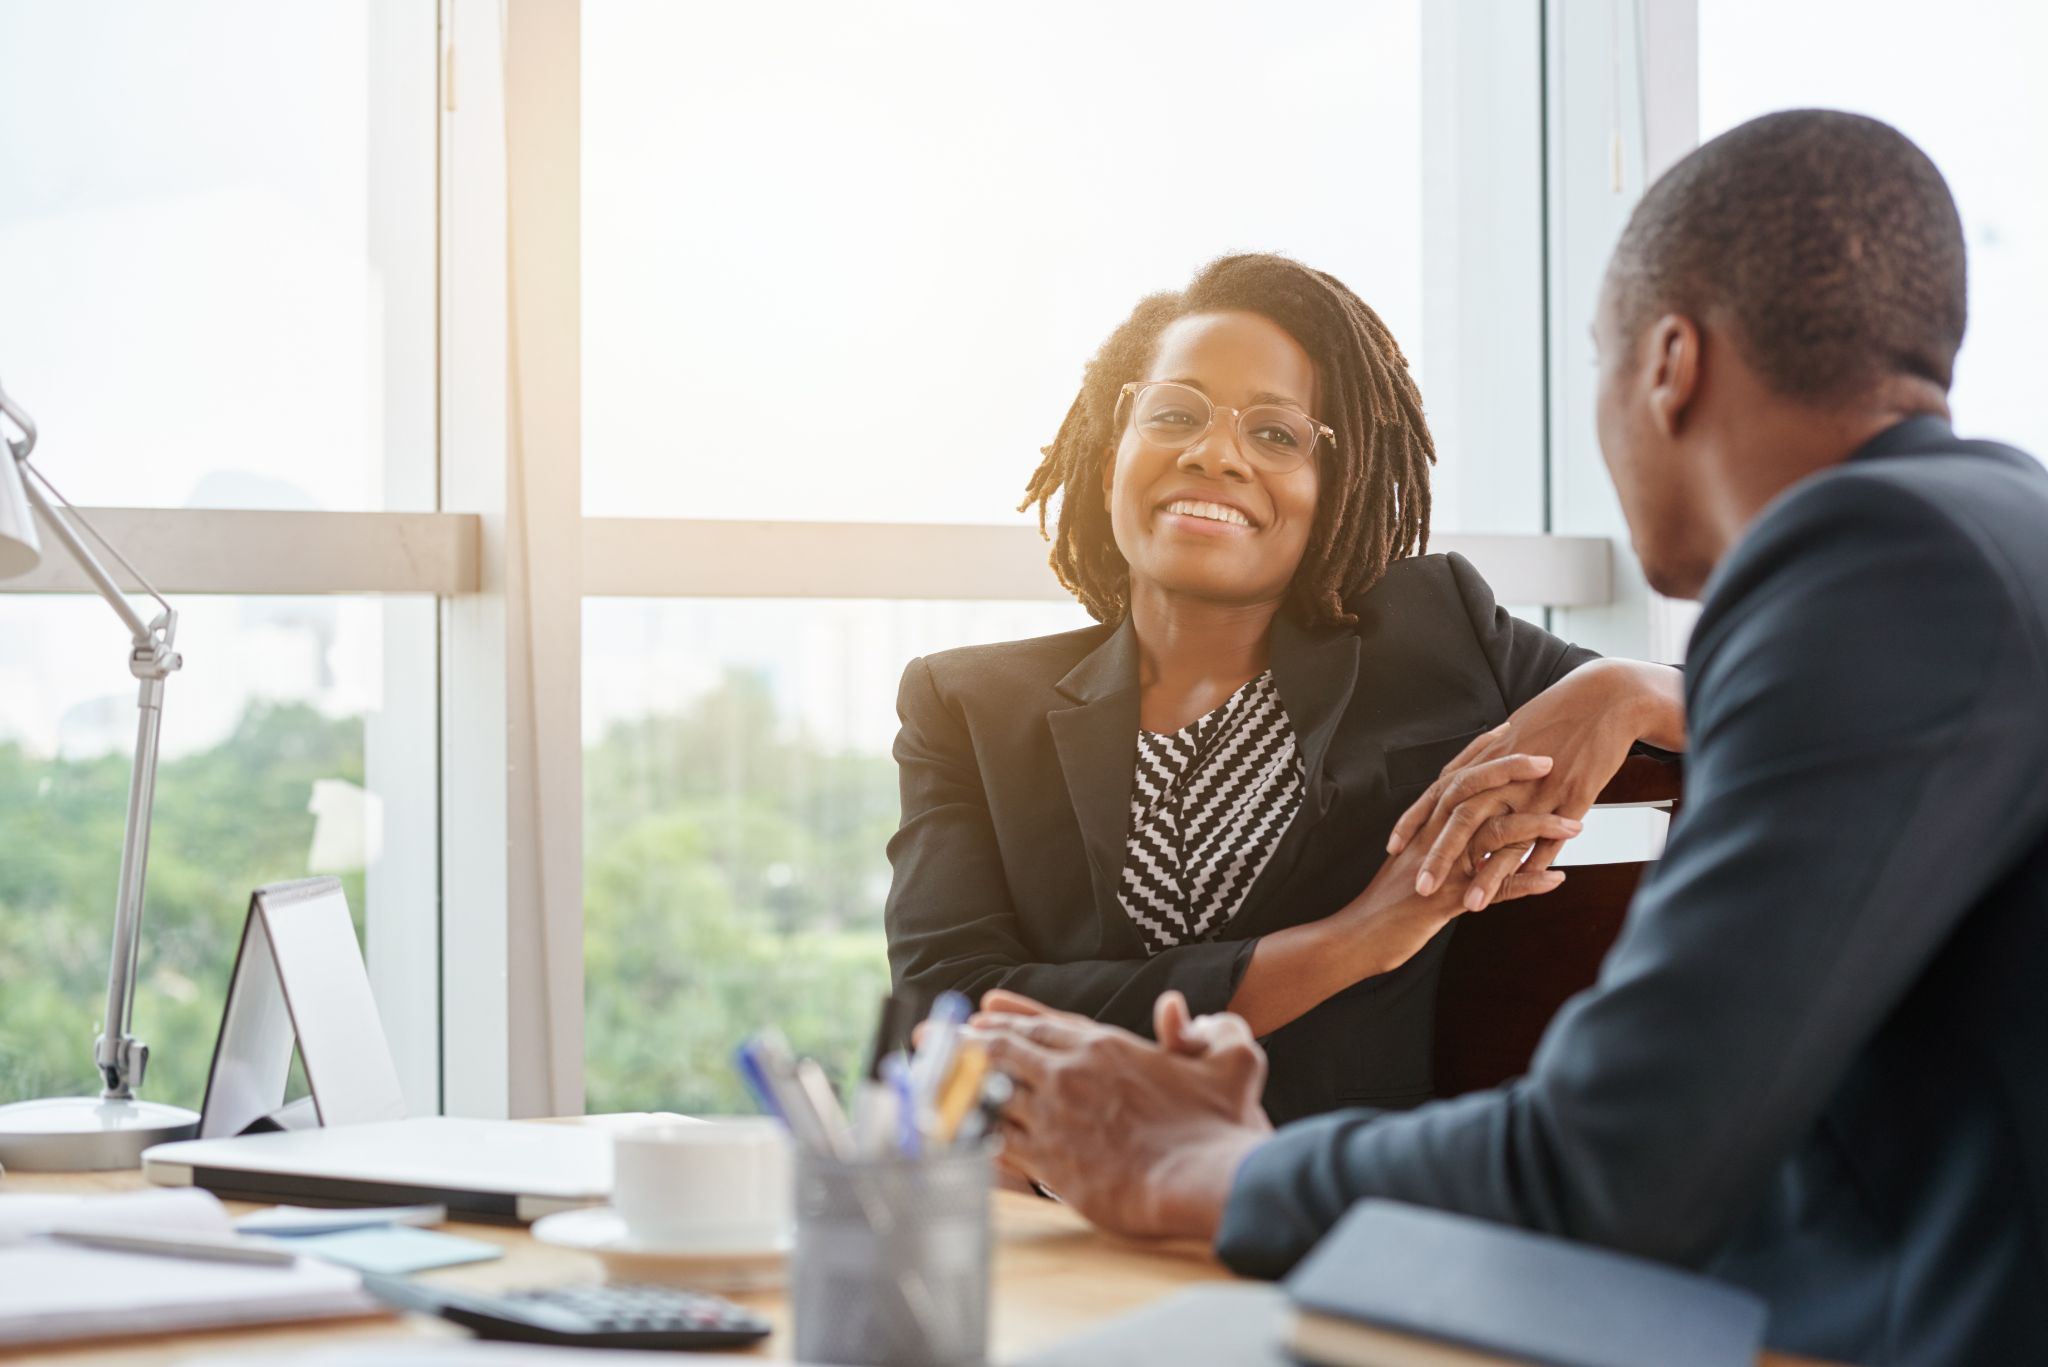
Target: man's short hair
x=1827, y=240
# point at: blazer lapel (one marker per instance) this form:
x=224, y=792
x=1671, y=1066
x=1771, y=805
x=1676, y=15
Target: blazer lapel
x=1316, y=672
x=1097, y=742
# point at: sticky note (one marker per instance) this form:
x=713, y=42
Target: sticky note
x=395, y=1250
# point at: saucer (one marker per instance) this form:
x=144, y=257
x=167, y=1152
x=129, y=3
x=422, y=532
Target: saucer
x=722, y=1265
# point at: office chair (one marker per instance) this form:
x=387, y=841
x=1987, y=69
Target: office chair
x=1511, y=967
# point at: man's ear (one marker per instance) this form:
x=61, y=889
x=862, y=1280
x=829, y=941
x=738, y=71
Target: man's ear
x=1673, y=363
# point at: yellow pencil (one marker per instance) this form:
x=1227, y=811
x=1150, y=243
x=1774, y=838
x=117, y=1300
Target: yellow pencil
x=961, y=1087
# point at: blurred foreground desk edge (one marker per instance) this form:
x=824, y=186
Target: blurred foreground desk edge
x=1054, y=1277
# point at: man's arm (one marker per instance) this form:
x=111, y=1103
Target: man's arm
x=1867, y=748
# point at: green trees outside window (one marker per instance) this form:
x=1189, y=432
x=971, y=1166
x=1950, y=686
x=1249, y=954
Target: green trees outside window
x=734, y=878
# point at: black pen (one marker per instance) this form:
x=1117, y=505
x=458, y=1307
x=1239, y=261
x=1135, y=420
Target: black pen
x=892, y=1032
x=874, y=1103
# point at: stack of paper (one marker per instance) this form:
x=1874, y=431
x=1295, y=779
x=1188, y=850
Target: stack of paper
x=51, y=1290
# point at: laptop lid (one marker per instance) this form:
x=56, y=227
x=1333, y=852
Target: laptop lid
x=480, y=1169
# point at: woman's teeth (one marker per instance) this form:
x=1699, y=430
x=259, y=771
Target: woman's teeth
x=1215, y=512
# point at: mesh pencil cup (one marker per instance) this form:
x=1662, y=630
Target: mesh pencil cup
x=892, y=1259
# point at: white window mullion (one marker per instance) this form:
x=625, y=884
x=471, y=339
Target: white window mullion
x=401, y=927
x=543, y=92
x=1482, y=261
x=625, y=557
x=274, y=553
x=512, y=785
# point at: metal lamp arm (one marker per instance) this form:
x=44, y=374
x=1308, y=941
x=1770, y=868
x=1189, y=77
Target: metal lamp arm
x=120, y=1058
x=81, y=554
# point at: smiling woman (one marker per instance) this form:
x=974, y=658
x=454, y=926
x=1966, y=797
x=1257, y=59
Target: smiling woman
x=1196, y=794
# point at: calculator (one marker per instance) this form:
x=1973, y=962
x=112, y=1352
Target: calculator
x=601, y=1316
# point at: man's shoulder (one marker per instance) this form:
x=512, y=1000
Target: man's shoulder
x=1994, y=497
x=1973, y=499
x=1883, y=538
x=1970, y=480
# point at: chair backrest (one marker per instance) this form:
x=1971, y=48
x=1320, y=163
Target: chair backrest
x=1511, y=967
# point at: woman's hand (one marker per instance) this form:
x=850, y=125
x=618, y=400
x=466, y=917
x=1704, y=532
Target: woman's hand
x=1584, y=726
x=1393, y=919
x=1296, y=969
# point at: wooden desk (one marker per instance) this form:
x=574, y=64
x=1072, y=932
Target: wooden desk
x=1054, y=1276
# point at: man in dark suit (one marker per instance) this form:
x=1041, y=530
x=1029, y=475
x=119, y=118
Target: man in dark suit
x=1815, y=1064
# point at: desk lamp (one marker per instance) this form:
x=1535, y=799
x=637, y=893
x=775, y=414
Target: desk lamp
x=77, y=1134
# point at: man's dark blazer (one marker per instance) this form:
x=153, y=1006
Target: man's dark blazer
x=1816, y=1061
x=1016, y=763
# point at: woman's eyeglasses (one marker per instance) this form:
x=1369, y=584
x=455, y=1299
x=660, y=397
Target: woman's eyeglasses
x=1273, y=437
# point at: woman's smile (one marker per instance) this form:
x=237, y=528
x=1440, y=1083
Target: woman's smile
x=1203, y=517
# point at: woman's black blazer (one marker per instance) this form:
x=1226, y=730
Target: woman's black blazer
x=1016, y=764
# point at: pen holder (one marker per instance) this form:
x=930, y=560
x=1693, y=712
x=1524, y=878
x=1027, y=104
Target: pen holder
x=892, y=1259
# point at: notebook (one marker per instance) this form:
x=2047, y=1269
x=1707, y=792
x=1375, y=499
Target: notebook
x=1395, y=1285
x=51, y=1291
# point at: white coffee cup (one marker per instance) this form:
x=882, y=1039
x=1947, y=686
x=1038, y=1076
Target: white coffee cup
x=714, y=1185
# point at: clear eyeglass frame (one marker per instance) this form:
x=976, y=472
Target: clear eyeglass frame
x=1274, y=459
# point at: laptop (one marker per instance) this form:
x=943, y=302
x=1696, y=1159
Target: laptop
x=492, y=1170
x=299, y=981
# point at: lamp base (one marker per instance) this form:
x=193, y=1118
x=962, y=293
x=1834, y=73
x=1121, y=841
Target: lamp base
x=87, y=1133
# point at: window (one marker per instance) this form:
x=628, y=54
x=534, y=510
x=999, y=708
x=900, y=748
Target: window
x=218, y=245
x=846, y=263
x=738, y=795
x=217, y=251
x=278, y=761
x=1982, y=124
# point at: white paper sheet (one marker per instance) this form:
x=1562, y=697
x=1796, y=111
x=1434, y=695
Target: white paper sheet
x=184, y=1211
x=51, y=1291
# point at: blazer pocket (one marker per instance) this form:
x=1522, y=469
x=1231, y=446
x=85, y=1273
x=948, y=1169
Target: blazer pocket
x=1416, y=766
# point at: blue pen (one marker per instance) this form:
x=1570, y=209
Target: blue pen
x=770, y=1067
x=896, y=1073
x=747, y=1061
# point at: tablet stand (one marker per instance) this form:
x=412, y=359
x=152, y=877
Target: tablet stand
x=299, y=979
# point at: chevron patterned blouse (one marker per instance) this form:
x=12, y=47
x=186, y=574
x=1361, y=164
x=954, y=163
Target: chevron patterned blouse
x=1209, y=804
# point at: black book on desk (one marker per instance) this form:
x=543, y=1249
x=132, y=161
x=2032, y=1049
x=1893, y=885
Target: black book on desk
x=1399, y=1286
